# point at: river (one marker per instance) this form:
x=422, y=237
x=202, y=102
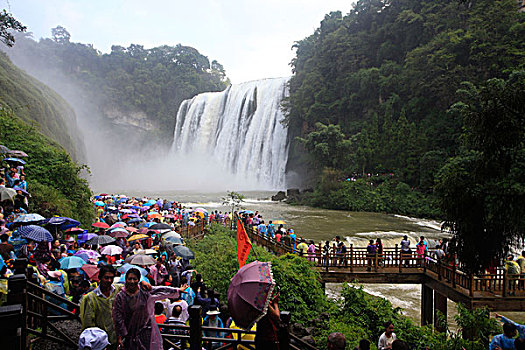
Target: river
x=322, y=224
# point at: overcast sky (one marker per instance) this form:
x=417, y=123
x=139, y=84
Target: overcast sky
x=252, y=39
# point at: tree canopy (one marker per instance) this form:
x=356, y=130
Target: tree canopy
x=8, y=24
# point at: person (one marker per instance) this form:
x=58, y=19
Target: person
x=519, y=327
x=93, y=338
x=521, y=262
x=341, y=251
x=326, y=253
x=311, y=251
x=387, y=338
x=287, y=241
x=278, y=236
x=421, y=250
x=504, y=341
x=302, y=247
x=336, y=341
x=293, y=238
x=182, y=304
x=6, y=249
x=266, y=335
x=159, y=273
x=400, y=345
x=261, y=228
x=176, y=320
x=513, y=272
x=96, y=306
x=133, y=313
x=364, y=344
x=371, y=254
x=270, y=229
x=212, y=320
x=379, y=250
x=160, y=318
x=406, y=252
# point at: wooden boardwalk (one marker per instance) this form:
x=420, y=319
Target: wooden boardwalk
x=439, y=280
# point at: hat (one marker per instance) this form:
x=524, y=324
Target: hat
x=213, y=312
x=93, y=338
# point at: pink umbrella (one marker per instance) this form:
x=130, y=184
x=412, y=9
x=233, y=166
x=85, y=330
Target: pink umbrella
x=100, y=225
x=111, y=250
x=91, y=271
x=90, y=253
x=249, y=293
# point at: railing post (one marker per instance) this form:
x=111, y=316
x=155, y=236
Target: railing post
x=425, y=262
x=195, y=327
x=17, y=294
x=397, y=254
x=284, y=331
x=504, y=283
x=471, y=290
x=13, y=324
x=440, y=277
x=454, y=274
x=375, y=262
x=351, y=257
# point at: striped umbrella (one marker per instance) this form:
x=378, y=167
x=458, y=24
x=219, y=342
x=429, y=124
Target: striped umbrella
x=35, y=233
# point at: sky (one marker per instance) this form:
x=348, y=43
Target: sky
x=252, y=39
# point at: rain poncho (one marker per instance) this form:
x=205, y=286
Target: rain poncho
x=96, y=311
x=134, y=317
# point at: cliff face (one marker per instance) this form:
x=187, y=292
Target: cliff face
x=35, y=102
x=129, y=119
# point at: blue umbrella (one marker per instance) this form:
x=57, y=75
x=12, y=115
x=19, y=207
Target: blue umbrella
x=134, y=220
x=61, y=222
x=16, y=188
x=2, y=263
x=150, y=203
x=99, y=204
x=136, y=207
x=173, y=239
x=71, y=262
x=14, y=160
x=117, y=229
x=83, y=256
x=36, y=233
x=28, y=218
x=124, y=268
x=149, y=224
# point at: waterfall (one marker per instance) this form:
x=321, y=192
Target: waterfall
x=239, y=129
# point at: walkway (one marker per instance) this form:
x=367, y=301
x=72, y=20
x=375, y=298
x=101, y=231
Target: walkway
x=439, y=281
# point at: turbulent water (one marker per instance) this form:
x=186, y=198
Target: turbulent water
x=240, y=129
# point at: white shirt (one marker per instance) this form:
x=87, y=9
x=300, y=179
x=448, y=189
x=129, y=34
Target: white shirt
x=184, y=316
x=385, y=342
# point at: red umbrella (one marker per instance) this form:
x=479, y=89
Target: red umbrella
x=91, y=271
x=250, y=292
x=100, y=225
x=75, y=230
x=146, y=231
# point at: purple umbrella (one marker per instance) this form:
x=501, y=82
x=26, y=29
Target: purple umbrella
x=83, y=237
x=91, y=254
x=249, y=293
x=144, y=208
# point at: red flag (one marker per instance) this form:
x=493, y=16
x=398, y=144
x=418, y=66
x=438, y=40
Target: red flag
x=243, y=243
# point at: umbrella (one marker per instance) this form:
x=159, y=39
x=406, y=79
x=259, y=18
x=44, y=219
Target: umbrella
x=150, y=203
x=24, y=192
x=126, y=211
x=100, y=225
x=82, y=237
x=134, y=220
x=150, y=251
x=247, y=212
x=61, y=223
x=279, y=222
x=249, y=293
x=118, y=234
x=173, y=239
x=4, y=149
x=91, y=271
x=155, y=216
x=142, y=259
x=144, y=208
x=6, y=193
x=111, y=250
x=91, y=254
x=121, y=223
x=124, y=268
x=71, y=262
x=75, y=230
x=17, y=153
x=161, y=226
x=36, y=233
x=83, y=256
x=137, y=237
x=171, y=234
x=28, y=218
x=148, y=224
x=99, y=204
x=183, y=252
x=101, y=240
x=14, y=160
x=118, y=229
x=201, y=210
x=115, y=226
x=131, y=229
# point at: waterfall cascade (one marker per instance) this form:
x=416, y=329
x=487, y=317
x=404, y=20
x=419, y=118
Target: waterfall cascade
x=240, y=129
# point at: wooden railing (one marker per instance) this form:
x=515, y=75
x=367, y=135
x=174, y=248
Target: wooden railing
x=356, y=259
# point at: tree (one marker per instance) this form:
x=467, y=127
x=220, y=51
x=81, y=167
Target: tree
x=233, y=200
x=60, y=35
x=8, y=23
x=482, y=190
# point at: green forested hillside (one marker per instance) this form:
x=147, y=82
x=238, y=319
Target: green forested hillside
x=372, y=89
x=53, y=178
x=34, y=102
x=153, y=81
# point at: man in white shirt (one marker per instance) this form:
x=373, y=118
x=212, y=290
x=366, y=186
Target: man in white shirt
x=387, y=338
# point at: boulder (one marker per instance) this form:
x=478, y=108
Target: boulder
x=279, y=196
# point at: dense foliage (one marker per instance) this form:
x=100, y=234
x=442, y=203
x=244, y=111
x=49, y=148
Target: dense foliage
x=482, y=189
x=153, y=81
x=53, y=178
x=357, y=314
x=34, y=102
x=371, y=89
x=8, y=24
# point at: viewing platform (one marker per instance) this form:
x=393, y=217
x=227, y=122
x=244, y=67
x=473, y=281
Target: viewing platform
x=439, y=280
